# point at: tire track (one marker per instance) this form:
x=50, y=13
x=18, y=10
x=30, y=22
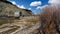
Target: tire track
x=28, y=29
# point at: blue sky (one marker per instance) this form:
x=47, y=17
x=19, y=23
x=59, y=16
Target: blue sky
x=34, y=5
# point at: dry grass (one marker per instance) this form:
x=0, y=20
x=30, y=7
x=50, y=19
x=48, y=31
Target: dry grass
x=6, y=21
x=30, y=20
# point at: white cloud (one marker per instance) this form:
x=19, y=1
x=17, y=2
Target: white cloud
x=38, y=7
x=35, y=3
x=13, y=2
x=54, y=1
x=21, y=6
x=29, y=8
x=41, y=7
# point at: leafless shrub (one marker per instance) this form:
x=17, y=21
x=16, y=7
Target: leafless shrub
x=50, y=20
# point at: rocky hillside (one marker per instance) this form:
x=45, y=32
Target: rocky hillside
x=7, y=8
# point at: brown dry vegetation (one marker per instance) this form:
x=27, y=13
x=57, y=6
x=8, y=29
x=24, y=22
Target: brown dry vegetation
x=50, y=20
x=30, y=20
